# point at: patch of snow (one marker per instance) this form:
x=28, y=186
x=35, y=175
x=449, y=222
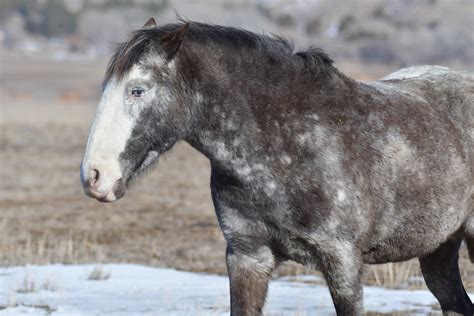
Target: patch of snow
x=139, y=290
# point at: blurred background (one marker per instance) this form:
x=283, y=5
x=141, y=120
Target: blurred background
x=53, y=56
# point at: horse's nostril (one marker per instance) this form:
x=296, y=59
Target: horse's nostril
x=94, y=177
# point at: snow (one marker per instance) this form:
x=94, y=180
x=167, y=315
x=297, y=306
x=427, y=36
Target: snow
x=124, y=289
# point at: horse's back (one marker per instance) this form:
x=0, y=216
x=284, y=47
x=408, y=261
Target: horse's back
x=418, y=72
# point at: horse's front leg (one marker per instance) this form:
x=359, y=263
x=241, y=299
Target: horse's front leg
x=342, y=267
x=249, y=273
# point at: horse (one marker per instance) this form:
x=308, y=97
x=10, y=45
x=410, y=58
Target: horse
x=307, y=164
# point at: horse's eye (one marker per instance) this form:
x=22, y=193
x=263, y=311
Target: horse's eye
x=136, y=93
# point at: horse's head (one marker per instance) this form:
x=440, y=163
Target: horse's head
x=139, y=116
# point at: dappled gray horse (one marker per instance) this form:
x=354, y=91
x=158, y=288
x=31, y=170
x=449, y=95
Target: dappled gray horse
x=307, y=164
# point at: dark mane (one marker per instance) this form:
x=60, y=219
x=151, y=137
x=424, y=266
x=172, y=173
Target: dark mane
x=128, y=53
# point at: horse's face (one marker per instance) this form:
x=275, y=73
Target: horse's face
x=138, y=118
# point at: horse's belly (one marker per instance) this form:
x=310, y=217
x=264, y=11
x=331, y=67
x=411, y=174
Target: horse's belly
x=413, y=236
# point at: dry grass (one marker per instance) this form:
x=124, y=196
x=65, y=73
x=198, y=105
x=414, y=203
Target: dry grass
x=45, y=308
x=395, y=275
x=98, y=274
x=166, y=219
x=30, y=285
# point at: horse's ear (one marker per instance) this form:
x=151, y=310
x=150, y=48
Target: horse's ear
x=172, y=41
x=150, y=23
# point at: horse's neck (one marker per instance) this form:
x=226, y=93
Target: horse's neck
x=235, y=108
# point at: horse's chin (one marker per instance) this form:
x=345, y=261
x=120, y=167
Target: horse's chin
x=120, y=187
x=147, y=163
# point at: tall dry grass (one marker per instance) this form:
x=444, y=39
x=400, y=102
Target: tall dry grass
x=395, y=275
x=24, y=248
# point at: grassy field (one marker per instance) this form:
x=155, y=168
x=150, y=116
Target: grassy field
x=166, y=219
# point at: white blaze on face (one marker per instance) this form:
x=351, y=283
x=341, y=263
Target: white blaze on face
x=109, y=134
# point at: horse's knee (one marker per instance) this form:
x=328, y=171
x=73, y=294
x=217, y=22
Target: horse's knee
x=260, y=262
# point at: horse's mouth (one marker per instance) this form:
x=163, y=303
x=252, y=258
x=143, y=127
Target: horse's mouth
x=117, y=192
x=120, y=186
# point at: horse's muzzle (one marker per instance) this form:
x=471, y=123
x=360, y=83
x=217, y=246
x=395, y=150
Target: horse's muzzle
x=92, y=188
